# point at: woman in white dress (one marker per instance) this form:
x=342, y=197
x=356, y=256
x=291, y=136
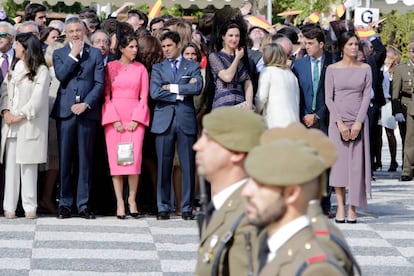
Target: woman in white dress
x=387, y=120
x=277, y=97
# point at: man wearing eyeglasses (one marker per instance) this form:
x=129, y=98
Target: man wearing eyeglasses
x=7, y=35
x=403, y=110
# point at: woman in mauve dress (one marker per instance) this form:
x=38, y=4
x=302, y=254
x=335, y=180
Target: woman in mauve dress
x=125, y=114
x=347, y=95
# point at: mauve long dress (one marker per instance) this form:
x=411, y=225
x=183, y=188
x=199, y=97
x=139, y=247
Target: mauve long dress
x=130, y=87
x=347, y=96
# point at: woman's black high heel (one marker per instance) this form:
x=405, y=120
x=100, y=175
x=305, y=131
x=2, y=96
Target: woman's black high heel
x=135, y=214
x=393, y=167
x=121, y=216
x=377, y=165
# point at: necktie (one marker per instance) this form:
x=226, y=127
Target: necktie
x=209, y=212
x=5, y=65
x=174, y=66
x=315, y=81
x=263, y=253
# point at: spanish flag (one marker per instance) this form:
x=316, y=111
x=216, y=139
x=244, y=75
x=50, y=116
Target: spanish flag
x=155, y=9
x=340, y=10
x=314, y=17
x=364, y=33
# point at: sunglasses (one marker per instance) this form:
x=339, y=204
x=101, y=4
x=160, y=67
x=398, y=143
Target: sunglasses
x=4, y=35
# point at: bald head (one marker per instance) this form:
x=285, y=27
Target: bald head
x=286, y=44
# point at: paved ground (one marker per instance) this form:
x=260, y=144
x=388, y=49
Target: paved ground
x=382, y=240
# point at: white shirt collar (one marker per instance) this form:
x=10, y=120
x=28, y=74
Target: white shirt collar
x=284, y=234
x=221, y=197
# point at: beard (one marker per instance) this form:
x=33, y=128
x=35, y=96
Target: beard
x=272, y=213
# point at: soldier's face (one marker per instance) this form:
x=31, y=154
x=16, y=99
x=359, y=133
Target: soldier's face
x=212, y=159
x=266, y=203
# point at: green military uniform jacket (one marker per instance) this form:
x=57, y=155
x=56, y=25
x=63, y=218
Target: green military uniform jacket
x=234, y=260
x=302, y=254
x=331, y=238
x=403, y=88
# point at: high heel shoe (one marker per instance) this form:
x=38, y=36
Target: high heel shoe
x=135, y=214
x=377, y=165
x=121, y=216
x=393, y=167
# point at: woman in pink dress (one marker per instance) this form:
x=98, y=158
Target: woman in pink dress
x=125, y=114
x=347, y=96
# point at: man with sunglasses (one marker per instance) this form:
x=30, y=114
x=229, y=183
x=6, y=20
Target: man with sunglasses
x=7, y=56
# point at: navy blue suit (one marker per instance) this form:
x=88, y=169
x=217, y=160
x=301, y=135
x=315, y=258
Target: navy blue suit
x=175, y=121
x=81, y=81
x=302, y=68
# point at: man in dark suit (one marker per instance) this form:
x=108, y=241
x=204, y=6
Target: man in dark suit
x=174, y=82
x=313, y=111
x=310, y=72
x=7, y=57
x=79, y=68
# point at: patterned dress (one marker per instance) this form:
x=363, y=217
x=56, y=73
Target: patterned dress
x=232, y=93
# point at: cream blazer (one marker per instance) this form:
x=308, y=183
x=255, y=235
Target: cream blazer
x=277, y=97
x=33, y=104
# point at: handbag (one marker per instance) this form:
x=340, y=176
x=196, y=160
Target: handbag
x=125, y=153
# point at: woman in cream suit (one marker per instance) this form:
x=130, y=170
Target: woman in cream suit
x=24, y=107
x=277, y=97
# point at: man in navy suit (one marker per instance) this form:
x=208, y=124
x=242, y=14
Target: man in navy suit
x=313, y=111
x=174, y=82
x=310, y=72
x=80, y=70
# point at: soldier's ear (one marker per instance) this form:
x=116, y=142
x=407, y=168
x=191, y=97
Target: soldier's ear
x=291, y=194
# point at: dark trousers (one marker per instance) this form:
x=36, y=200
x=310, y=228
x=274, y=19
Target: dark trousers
x=165, y=147
x=75, y=135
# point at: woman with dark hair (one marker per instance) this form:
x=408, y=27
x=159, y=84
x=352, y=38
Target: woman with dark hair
x=49, y=35
x=125, y=114
x=24, y=106
x=229, y=66
x=192, y=52
x=348, y=103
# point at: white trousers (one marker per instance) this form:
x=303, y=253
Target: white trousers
x=13, y=172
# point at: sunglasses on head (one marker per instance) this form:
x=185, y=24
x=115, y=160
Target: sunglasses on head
x=4, y=35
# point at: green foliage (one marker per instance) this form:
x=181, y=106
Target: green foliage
x=396, y=30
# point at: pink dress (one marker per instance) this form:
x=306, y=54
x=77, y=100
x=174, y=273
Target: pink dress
x=126, y=96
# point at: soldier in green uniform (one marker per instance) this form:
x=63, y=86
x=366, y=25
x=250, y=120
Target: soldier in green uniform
x=326, y=232
x=227, y=239
x=283, y=177
x=403, y=108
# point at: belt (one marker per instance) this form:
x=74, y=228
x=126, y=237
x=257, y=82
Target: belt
x=405, y=94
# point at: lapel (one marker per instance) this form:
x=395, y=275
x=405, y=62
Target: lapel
x=222, y=215
x=287, y=253
x=86, y=52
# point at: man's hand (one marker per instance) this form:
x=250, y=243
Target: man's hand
x=77, y=47
x=78, y=108
x=309, y=119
